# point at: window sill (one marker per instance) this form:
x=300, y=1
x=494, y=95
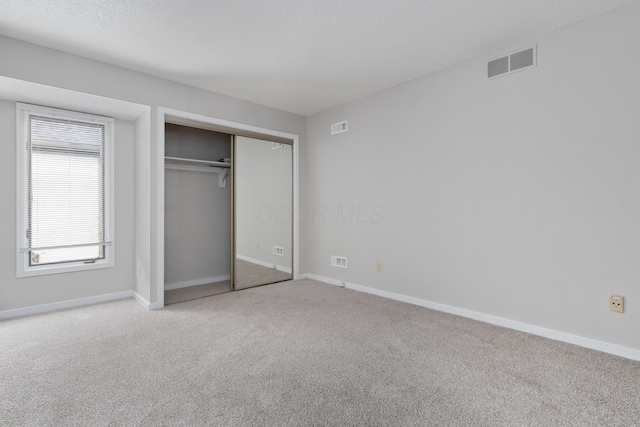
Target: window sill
x=43, y=270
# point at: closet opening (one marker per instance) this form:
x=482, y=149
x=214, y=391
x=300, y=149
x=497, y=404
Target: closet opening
x=229, y=218
x=156, y=239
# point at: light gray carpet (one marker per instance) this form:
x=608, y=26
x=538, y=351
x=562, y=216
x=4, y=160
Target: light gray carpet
x=248, y=275
x=194, y=292
x=300, y=354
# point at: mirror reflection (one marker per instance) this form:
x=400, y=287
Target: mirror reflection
x=263, y=189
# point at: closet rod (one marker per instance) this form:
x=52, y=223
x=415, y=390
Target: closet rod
x=183, y=161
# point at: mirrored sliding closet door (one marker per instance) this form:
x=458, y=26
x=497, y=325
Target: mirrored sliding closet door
x=263, y=216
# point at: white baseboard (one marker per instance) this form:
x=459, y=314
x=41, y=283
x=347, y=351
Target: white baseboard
x=146, y=304
x=618, y=350
x=196, y=282
x=283, y=269
x=140, y=300
x=264, y=263
x=322, y=279
x=156, y=306
x=45, y=308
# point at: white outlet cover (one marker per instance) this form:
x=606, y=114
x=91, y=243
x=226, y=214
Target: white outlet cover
x=339, y=261
x=340, y=127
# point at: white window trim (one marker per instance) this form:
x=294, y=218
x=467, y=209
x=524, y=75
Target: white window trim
x=23, y=269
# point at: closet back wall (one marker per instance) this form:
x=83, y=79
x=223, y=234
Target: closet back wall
x=197, y=212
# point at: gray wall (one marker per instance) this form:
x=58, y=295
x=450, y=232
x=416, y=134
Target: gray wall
x=263, y=189
x=32, y=63
x=192, y=143
x=30, y=291
x=515, y=197
x=197, y=212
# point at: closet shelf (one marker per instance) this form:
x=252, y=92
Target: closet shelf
x=195, y=162
x=221, y=168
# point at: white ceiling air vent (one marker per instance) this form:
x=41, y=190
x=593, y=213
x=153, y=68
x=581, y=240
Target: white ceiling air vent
x=511, y=63
x=499, y=66
x=339, y=127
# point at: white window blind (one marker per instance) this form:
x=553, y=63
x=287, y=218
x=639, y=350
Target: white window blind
x=65, y=186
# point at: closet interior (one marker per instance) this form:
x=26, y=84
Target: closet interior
x=197, y=226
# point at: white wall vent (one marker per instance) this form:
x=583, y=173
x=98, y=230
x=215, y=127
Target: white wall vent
x=276, y=145
x=513, y=62
x=339, y=127
x=338, y=261
x=277, y=250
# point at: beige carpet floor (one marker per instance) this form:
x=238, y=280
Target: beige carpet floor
x=300, y=354
x=248, y=275
x=195, y=292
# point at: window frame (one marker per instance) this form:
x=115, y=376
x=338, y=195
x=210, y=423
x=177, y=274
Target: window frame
x=23, y=262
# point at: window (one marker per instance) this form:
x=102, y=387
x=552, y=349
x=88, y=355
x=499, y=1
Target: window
x=65, y=198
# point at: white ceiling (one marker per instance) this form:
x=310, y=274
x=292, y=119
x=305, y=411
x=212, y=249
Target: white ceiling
x=295, y=55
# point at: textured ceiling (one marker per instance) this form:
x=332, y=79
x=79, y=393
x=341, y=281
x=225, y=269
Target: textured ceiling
x=295, y=55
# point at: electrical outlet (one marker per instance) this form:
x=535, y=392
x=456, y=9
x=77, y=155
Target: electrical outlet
x=338, y=261
x=339, y=127
x=616, y=303
x=257, y=245
x=379, y=266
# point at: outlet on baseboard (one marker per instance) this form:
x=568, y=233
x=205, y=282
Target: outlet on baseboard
x=616, y=303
